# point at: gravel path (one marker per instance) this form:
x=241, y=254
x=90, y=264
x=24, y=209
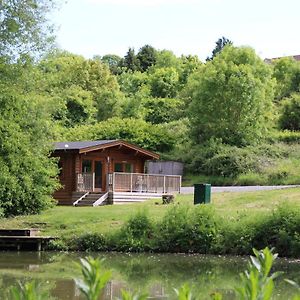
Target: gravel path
x=220, y=189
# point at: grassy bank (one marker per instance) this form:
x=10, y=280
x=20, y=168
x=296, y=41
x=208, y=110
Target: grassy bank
x=233, y=223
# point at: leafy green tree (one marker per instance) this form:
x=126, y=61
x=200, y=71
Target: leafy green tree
x=167, y=59
x=114, y=62
x=146, y=57
x=231, y=98
x=189, y=65
x=290, y=116
x=98, y=90
x=164, y=83
x=163, y=110
x=286, y=71
x=28, y=176
x=132, y=83
x=220, y=44
x=24, y=27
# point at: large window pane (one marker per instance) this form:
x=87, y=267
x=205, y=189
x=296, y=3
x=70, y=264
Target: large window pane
x=86, y=166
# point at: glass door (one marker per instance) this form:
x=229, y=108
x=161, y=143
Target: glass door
x=98, y=174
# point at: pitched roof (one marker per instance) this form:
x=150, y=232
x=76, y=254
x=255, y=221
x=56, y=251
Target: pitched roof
x=88, y=146
x=269, y=60
x=80, y=145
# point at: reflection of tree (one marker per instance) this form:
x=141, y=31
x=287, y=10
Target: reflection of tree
x=155, y=274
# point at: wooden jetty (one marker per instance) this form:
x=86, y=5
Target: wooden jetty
x=22, y=240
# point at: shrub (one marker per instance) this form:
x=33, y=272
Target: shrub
x=280, y=230
x=215, y=158
x=91, y=242
x=290, y=117
x=136, y=233
x=188, y=230
x=173, y=231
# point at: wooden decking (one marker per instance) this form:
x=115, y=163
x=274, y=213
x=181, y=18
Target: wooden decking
x=22, y=240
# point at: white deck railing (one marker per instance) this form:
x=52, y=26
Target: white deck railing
x=144, y=183
x=85, y=182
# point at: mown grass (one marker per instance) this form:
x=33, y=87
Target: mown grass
x=66, y=221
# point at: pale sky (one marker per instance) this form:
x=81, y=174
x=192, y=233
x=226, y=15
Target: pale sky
x=99, y=27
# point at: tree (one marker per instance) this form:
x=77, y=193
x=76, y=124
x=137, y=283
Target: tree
x=146, y=57
x=290, y=116
x=113, y=61
x=130, y=61
x=24, y=26
x=167, y=59
x=163, y=110
x=231, y=98
x=28, y=176
x=164, y=83
x=136, y=131
x=286, y=71
x=220, y=44
x=98, y=90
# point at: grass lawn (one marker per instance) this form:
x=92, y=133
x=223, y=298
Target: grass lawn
x=67, y=221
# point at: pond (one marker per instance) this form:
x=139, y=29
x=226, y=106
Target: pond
x=155, y=274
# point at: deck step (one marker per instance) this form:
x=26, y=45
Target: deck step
x=88, y=200
x=132, y=197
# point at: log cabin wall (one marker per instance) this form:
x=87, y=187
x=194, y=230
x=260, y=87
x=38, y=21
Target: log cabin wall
x=66, y=176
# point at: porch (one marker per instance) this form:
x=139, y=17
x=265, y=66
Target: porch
x=124, y=187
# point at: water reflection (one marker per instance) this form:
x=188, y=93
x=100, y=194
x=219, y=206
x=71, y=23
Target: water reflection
x=156, y=275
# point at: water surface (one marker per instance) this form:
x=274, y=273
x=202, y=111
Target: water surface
x=155, y=274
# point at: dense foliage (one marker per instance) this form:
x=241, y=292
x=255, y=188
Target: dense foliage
x=27, y=177
x=199, y=230
x=213, y=116
x=231, y=98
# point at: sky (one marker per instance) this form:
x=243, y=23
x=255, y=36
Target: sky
x=99, y=27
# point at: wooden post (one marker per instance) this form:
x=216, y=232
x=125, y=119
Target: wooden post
x=179, y=184
x=164, y=187
x=131, y=182
x=113, y=183
x=93, y=182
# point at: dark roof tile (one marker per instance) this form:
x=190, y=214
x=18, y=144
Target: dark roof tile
x=80, y=145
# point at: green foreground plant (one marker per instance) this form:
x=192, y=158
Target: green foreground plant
x=257, y=283
x=94, y=278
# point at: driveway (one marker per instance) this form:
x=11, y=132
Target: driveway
x=221, y=189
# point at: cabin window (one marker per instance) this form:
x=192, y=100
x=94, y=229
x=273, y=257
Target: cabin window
x=118, y=167
x=86, y=166
x=123, y=167
x=128, y=168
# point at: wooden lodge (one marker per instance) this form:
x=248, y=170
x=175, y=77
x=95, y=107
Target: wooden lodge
x=98, y=172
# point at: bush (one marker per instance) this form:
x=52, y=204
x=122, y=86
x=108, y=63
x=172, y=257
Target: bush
x=290, y=117
x=91, y=242
x=188, y=230
x=136, y=234
x=217, y=159
x=280, y=230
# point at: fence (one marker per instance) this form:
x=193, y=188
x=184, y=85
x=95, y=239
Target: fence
x=145, y=183
x=85, y=182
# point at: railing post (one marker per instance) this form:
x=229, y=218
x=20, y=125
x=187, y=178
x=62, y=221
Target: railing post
x=147, y=186
x=179, y=184
x=130, y=182
x=114, y=179
x=164, y=187
x=93, y=182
